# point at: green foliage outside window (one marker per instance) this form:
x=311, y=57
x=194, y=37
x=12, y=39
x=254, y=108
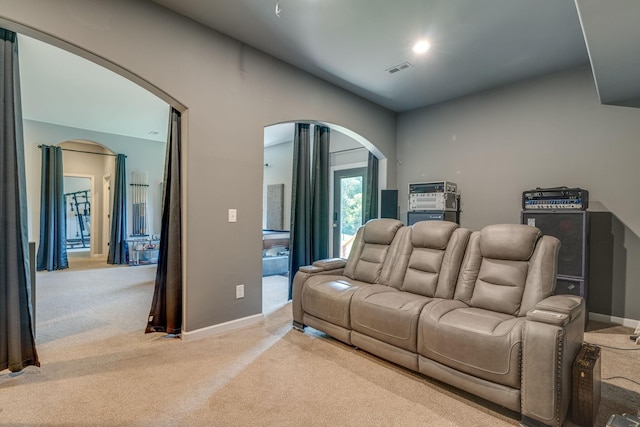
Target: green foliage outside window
x=351, y=205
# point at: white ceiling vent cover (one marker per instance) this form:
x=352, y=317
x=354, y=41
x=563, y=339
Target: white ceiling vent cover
x=399, y=67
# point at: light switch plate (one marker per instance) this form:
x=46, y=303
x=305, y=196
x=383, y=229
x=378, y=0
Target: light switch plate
x=233, y=215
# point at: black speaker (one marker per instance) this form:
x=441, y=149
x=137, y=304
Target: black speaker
x=567, y=286
x=572, y=230
x=389, y=204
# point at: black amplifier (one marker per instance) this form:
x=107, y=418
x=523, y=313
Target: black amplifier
x=556, y=198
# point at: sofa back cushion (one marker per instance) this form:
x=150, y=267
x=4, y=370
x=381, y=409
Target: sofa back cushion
x=509, y=241
x=374, y=246
x=430, y=258
x=507, y=268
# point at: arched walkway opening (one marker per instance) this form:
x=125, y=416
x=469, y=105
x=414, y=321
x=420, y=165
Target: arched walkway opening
x=99, y=297
x=348, y=163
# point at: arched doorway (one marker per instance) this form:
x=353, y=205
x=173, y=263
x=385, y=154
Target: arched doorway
x=88, y=153
x=348, y=153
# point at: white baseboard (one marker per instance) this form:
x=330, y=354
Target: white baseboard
x=222, y=327
x=630, y=323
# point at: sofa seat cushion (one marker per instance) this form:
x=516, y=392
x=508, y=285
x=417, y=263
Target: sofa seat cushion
x=479, y=342
x=328, y=297
x=388, y=314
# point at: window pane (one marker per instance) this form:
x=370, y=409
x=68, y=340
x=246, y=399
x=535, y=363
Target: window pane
x=351, y=212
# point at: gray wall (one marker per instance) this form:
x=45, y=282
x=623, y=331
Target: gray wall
x=543, y=132
x=231, y=92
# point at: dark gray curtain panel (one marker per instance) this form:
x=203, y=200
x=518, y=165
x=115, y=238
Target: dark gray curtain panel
x=52, y=248
x=301, y=218
x=118, y=236
x=320, y=191
x=17, y=347
x=371, y=189
x=166, y=307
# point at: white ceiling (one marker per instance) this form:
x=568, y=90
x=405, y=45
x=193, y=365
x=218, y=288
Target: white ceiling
x=62, y=88
x=476, y=45
x=277, y=134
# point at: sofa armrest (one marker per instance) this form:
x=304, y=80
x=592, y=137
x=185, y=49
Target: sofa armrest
x=557, y=310
x=570, y=305
x=333, y=266
x=553, y=334
x=326, y=265
x=550, y=317
x=330, y=264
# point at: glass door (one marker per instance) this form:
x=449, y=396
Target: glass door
x=348, y=186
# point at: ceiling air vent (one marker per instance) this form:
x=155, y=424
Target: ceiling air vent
x=400, y=67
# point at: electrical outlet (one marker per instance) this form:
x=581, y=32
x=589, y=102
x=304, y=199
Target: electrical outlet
x=239, y=291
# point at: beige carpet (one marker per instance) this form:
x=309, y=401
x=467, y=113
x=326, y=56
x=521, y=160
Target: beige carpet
x=275, y=292
x=81, y=260
x=620, y=366
x=100, y=369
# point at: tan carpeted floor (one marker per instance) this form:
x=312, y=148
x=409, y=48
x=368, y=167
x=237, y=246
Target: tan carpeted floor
x=100, y=369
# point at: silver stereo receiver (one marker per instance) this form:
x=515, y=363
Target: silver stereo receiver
x=433, y=187
x=433, y=202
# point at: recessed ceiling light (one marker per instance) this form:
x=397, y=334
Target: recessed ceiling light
x=422, y=46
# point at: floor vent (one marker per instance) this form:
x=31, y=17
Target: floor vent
x=400, y=67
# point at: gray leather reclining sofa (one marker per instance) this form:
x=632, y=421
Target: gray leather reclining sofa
x=471, y=309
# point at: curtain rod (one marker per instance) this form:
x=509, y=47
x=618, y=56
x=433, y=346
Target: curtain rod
x=348, y=149
x=86, y=152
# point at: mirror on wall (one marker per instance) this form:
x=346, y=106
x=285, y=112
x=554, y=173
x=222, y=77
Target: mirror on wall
x=77, y=195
